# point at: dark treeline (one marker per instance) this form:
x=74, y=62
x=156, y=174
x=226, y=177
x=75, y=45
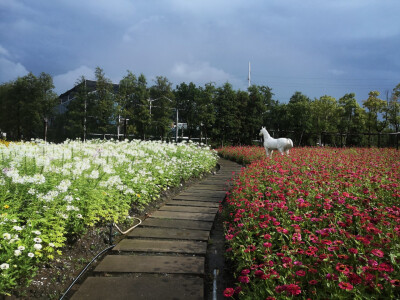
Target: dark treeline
x=219, y=115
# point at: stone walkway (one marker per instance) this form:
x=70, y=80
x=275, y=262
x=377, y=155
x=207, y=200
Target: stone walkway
x=165, y=257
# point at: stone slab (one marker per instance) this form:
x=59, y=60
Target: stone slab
x=183, y=215
x=204, y=193
x=152, y=264
x=181, y=224
x=198, y=198
x=207, y=210
x=192, y=203
x=141, y=288
x=162, y=246
x=208, y=187
x=169, y=233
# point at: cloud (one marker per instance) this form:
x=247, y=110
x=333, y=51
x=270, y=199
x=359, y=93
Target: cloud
x=9, y=69
x=199, y=72
x=3, y=51
x=64, y=82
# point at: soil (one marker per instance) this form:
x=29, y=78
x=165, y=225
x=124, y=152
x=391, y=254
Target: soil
x=55, y=277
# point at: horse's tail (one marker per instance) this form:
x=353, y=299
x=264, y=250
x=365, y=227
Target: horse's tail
x=290, y=143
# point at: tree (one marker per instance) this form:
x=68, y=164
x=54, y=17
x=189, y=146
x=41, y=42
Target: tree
x=227, y=126
x=299, y=116
x=80, y=115
x=104, y=108
x=325, y=116
x=141, y=116
x=352, y=120
x=252, y=108
x=394, y=112
x=7, y=113
x=187, y=99
x=206, y=110
x=161, y=113
x=375, y=106
x=125, y=99
x=28, y=102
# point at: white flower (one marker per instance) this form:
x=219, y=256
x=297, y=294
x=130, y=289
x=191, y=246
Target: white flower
x=22, y=248
x=30, y=254
x=6, y=236
x=37, y=246
x=51, y=244
x=32, y=191
x=4, y=266
x=18, y=228
x=37, y=240
x=68, y=198
x=37, y=232
x=79, y=216
x=17, y=252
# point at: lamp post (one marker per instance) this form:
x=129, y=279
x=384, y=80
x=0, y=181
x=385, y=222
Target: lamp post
x=45, y=122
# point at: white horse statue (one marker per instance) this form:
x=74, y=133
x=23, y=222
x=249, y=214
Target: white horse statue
x=283, y=145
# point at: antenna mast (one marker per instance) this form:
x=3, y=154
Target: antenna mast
x=249, y=76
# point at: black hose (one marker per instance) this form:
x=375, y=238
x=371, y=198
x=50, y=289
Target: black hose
x=84, y=270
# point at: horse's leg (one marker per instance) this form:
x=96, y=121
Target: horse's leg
x=271, y=153
x=280, y=150
x=266, y=151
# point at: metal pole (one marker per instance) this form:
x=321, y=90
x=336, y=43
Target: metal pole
x=45, y=129
x=119, y=120
x=84, y=120
x=176, y=131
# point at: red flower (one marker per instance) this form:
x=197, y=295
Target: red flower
x=244, y=279
x=342, y=268
x=293, y=289
x=377, y=252
x=228, y=292
x=345, y=286
x=301, y=273
x=395, y=282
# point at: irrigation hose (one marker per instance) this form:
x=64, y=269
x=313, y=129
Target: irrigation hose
x=127, y=231
x=84, y=270
x=98, y=254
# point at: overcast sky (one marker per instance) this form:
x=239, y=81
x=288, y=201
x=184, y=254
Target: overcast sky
x=317, y=47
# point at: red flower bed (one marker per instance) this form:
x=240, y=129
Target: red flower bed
x=323, y=223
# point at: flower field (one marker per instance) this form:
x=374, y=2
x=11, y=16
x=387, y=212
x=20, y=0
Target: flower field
x=51, y=191
x=323, y=223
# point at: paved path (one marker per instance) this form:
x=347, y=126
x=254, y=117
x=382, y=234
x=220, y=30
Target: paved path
x=165, y=257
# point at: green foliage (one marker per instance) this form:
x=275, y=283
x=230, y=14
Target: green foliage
x=222, y=114
x=25, y=104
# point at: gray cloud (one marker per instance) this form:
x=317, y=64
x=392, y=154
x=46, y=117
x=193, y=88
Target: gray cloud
x=317, y=47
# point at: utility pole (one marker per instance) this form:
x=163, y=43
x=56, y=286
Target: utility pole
x=249, y=79
x=176, y=127
x=84, y=120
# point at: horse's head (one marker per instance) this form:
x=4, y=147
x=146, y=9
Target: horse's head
x=262, y=131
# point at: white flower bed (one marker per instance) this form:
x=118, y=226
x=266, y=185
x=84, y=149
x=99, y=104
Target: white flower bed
x=50, y=190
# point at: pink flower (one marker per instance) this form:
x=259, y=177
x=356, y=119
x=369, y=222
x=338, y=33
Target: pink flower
x=345, y=286
x=228, y=292
x=301, y=273
x=293, y=289
x=244, y=279
x=377, y=252
x=353, y=250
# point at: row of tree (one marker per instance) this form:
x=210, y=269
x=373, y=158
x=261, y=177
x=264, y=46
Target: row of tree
x=28, y=109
